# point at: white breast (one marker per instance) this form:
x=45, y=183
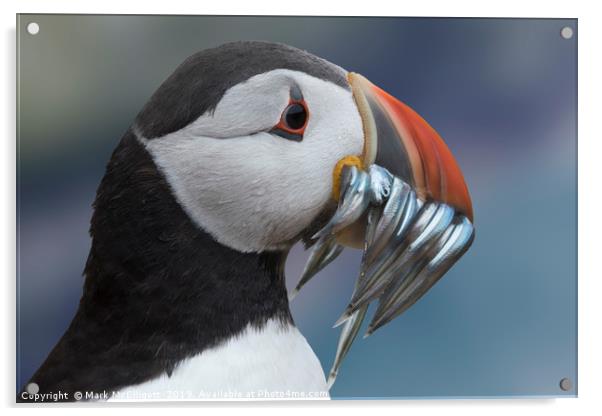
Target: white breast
x=272, y=362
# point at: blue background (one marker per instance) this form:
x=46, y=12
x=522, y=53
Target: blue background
x=502, y=93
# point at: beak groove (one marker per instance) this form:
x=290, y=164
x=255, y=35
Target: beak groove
x=401, y=141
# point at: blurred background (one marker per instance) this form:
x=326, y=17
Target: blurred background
x=501, y=92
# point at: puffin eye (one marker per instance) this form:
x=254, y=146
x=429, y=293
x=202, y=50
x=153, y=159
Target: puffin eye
x=294, y=116
x=292, y=121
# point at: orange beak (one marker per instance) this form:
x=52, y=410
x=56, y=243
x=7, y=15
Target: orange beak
x=398, y=139
x=404, y=202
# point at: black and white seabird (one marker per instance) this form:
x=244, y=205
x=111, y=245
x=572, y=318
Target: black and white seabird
x=243, y=151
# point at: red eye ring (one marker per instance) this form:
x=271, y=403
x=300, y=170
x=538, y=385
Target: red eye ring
x=293, y=121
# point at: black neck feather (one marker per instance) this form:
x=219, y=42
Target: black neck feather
x=158, y=289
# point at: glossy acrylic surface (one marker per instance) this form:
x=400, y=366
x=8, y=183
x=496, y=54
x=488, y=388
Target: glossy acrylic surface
x=502, y=94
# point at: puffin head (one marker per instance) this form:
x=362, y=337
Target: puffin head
x=263, y=145
x=252, y=138
x=244, y=150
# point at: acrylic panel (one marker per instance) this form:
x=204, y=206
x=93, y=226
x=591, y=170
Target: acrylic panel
x=502, y=93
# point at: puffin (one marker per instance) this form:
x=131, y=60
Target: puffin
x=243, y=151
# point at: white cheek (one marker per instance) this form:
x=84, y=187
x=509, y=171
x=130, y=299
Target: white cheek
x=258, y=192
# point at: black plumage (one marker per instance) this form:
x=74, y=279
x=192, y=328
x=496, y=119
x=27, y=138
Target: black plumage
x=200, y=82
x=157, y=288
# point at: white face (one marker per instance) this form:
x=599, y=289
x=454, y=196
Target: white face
x=253, y=190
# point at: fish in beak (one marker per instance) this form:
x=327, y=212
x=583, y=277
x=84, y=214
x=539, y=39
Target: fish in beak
x=404, y=202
